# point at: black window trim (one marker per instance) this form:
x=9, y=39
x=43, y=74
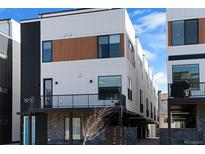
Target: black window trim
x=197, y=19
x=129, y=89
x=130, y=43
x=108, y=35
x=110, y=76
x=43, y=61
x=44, y=96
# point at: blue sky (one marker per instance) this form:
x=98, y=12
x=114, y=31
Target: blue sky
x=150, y=27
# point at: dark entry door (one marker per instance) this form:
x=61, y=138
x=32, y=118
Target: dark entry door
x=47, y=92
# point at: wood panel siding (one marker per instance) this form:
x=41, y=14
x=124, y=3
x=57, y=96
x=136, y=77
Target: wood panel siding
x=169, y=33
x=122, y=51
x=202, y=30
x=79, y=48
x=75, y=49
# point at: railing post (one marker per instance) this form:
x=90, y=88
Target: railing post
x=72, y=101
x=88, y=100
x=58, y=100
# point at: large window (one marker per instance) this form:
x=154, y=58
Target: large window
x=76, y=129
x=151, y=110
x=67, y=128
x=109, y=46
x=188, y=72
x=185, y=32
x=129, y=89
x=109, y=87
x=191, y=31
x=48, y=92
x=177, y=32
x=141, y=101
x=147, y=106
x=47, y=51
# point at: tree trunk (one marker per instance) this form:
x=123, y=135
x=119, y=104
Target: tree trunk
x=84, y=141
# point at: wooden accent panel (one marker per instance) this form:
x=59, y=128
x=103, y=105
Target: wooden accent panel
x=169, y=33
x=75, y=49
x=202, y=30
x=122, y=51
x=79, y=48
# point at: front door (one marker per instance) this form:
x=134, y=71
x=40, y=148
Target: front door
x=47, y=92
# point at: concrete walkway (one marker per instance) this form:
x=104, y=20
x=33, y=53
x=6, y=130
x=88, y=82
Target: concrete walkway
x=148, y=141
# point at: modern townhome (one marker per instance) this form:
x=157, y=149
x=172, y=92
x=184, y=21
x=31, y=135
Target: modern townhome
x=75, y=61
x=186, y=76
x=9, y=81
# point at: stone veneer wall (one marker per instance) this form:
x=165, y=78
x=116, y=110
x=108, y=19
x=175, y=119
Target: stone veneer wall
x=201, y=121
x=131, y=135
x=179, y=135
x=55, y=128
x=56, y=132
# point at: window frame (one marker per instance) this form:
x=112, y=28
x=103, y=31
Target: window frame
x=141, y=101
x=187, y=65
x=44, y=96
x=43, y=61
x=67, y=117
x=80, y=119
x=132, y=50
x=184, y=25
x=147, y=107
x=110, y=76
x=108, y=46
x=129, y=89
x=185, y=41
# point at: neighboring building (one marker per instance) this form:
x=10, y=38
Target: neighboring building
x=78, y=60
x=163, y=113
x=186, y=58
x=9, y=81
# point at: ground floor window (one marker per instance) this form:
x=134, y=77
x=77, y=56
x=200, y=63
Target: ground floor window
x=33, y=130
x=76, y=129
x=67, y=128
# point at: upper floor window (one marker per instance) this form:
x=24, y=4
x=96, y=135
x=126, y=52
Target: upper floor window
x=147, y=106
x=109, y=87
x=141, y=101
x=109, y=46
x=129, y=89
x=189, y=72
x=185, y=32
x=47, y=51
x=131, y=48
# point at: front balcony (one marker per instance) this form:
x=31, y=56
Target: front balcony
x=183, y=92
x=71, y=101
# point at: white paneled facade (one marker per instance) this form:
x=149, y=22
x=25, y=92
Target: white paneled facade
x=184, y=14
x=73, y=77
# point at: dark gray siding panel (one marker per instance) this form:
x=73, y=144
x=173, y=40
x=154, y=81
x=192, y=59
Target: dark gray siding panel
x=6, y=89
x=30, y=62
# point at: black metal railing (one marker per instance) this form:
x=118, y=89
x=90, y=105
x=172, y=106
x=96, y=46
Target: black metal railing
x=77, y=101
x=195, y=90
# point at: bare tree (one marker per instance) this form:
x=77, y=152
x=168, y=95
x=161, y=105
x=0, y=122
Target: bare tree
x=95, y=124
